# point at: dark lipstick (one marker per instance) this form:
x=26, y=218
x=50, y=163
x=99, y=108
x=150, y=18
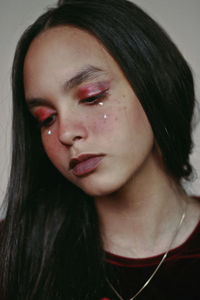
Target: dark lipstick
x=85, y=163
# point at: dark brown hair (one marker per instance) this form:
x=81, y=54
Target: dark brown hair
x=50, y=244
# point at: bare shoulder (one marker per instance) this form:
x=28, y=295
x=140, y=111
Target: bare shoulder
x=193, y=212
x=194, y=205
x=192, y=219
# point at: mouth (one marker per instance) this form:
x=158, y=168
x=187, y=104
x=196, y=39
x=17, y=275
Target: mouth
x=85, y=164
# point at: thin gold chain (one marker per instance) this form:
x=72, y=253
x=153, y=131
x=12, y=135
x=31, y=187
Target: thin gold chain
x=159, y=265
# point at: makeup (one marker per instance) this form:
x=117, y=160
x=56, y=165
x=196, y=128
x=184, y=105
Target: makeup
x=92, y=89
x=43, y=113
x=85, y=164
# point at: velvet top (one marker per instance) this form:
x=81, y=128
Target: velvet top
x=177, y=278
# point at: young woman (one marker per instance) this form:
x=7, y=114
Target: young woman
x=102, y=109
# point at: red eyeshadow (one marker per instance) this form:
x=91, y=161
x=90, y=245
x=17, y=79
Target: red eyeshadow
x=92, y=89
x=43, y=113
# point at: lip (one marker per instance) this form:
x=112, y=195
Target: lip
x=85, y=163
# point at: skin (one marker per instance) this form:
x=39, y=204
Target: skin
x=81, y=128
x=115, y=126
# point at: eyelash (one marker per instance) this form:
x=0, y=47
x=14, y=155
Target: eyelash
x=89, y=100
x=96, y=98
x=47, y=122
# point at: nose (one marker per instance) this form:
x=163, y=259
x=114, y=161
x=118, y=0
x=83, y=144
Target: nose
x=71, y=131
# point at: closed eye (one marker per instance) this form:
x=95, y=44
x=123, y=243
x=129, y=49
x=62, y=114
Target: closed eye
x=47, y=122
x=95, y=98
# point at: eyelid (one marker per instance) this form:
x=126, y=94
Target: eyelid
x=92, y=89
x=43, y=115
x=96, y=96
x=47, y=122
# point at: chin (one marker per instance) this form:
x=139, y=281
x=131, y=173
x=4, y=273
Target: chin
x=100, y=188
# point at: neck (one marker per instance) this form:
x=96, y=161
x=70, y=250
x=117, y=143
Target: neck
x=139, y=219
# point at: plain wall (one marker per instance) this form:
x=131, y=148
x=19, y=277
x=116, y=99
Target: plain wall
x=180, y=18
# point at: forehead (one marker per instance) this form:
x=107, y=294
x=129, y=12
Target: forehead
x=66, y=46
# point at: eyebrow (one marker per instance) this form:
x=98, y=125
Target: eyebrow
x=87, y=73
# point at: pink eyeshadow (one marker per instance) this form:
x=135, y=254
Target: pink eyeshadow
x=92, y=89
x=43, y=114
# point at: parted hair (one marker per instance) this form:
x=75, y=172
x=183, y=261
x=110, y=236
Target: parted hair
x=50, y=242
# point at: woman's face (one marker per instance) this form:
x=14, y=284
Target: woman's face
x=93, y=127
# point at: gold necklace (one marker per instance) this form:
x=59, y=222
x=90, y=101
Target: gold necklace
x=159, y=265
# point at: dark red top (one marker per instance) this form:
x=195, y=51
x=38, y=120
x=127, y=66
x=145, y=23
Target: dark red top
x=178, y=277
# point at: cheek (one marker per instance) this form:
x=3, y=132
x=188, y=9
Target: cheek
x=106, y=120
x=135, y=117
x=52, y=147
x=103, y=124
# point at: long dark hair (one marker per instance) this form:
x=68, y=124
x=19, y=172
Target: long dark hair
x=50, y=241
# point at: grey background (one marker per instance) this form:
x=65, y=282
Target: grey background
x=180, y=18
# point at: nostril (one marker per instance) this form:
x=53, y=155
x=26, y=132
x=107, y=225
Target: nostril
x=77, y=138
x=69, y=137
x=71, y=131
